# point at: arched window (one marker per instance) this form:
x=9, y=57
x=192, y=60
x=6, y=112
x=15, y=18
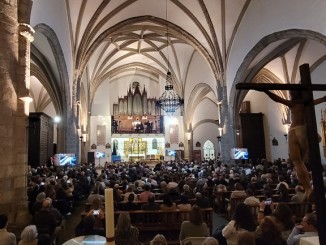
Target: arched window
x=209, y=150
x=154, y=144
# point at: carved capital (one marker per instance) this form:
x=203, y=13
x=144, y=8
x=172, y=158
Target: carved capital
x=26, y=31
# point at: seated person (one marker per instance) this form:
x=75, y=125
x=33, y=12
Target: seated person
x=125, y=233
x=299, y=195
x=307, y=228
x=98, y=213
x=130, y=204
x=48, y=220
x=158, y=240
x=143, y=197
x=88, y=227
x=6, y=238
x=151, y=205
x=95, y=194
x=187, y=192
x=202, y=201
x=128, y=192
x=238, y=191
x=251, y=199
x=168, y=204
x=184, y=204
x=29, y=236
x=195, y=227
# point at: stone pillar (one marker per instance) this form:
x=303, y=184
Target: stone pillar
x=14, y=89
x=188, y=139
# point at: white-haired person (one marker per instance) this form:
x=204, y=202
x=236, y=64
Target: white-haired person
x=29, y=236
x=210, y=241
x=158, y=240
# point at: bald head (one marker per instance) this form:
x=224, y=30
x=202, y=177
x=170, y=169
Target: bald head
x=47, y=203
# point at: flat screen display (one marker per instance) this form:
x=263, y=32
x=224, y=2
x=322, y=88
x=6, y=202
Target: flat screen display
x=171, y=153
x=99, y=154
x=239, y=153
x=65, y=159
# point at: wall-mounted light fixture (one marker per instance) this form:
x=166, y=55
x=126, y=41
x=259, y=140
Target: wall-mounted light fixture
x=84, y=137
x=219, y=138
x=286, y=137
x=188, y=136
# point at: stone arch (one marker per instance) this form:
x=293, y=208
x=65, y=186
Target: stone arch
x=84, y=53
x=245, y=74
x=58, y=88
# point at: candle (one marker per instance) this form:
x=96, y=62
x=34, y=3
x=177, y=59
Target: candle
x=109, y=216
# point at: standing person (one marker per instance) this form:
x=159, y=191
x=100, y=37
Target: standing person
x=195, y=227
x=242, y=220
x=6, y=238
x=297, y=136
x=125, y=233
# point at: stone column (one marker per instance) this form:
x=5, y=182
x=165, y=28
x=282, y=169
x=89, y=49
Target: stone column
x=188, y=139
x=14, y=89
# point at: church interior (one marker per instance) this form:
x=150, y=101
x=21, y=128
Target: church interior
x=87, y=81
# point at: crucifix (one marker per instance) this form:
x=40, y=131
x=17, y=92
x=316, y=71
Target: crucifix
x=303, y=115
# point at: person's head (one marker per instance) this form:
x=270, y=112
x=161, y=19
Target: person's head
x=186, y=188
x=210, y=241
x=244, y=218
x=124, y=224
x=183, y=199
x=166, y=198
x=131, y=197
x=151, y=198
x=29, y=233
x=196, y=216
x=88, y=225
x=47, y=203
x=3, y=221
x=40, y=197
x=147, y=187
x=96, y=203
x=246, y=238
x=238, y=187
x=283, y=214
x=158, y=240
x=309, y=222
x=198, y=195
x=250, y=192
x=268, y=229
x=299, y=188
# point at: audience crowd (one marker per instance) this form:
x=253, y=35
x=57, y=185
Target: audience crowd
x=52, y=193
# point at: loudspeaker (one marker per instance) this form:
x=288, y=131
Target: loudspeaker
x=90, y=157
x=161, y=124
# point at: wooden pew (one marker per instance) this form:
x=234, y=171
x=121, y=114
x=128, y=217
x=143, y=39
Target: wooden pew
x=299, y=209
x=167, y=222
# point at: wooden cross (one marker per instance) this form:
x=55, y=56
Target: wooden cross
x=311, y=126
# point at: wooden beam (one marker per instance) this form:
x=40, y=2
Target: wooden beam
x=280, y=86
x=314, y=154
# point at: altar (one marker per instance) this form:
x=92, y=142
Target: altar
x=139, y=147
